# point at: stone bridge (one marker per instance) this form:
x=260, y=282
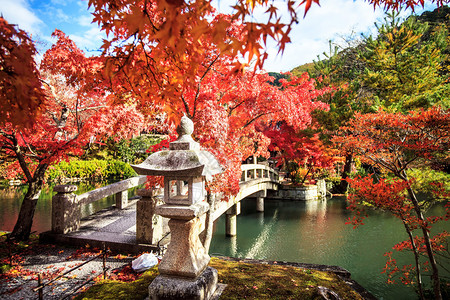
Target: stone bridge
x=132, y=224
x=256, y=180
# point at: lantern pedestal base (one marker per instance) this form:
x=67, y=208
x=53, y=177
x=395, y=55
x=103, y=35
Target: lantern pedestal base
x=171, y=287
x=185, y=255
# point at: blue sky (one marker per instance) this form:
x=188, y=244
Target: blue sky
x=333, y=20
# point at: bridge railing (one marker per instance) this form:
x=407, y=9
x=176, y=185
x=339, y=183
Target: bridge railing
x=256, y=178
x=66, y=205
x=258, y=171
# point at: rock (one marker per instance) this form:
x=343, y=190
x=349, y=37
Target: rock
x=327, y=294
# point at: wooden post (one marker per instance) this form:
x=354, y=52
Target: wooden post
x=40, y=292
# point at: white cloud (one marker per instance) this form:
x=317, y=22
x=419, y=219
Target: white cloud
x=89, y=40
x=85, y=20
x=58, y=15
x=19, y=12
x=333, y=20
x=82, y=4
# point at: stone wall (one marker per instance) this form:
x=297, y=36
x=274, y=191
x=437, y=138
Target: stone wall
x=305, y=193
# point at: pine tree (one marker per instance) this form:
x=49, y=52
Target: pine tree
x=403, y=65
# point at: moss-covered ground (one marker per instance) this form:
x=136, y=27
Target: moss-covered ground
x=244, y=281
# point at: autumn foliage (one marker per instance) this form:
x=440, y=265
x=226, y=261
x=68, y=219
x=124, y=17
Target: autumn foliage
x=21, y=92
x=77, y=113
x=394, y=142
x=231, y=114
x=176, y=27
x=301, y=153
x=392, y=195
x=174, y=57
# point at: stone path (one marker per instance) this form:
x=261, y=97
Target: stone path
x=50, y=262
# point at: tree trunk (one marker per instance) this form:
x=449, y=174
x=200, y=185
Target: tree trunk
x=430, y=254
x=416, y=259
x=304, y=177
x=22, y=229
x=427, y=242
x=348, y=167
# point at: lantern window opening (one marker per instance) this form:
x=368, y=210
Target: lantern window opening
x=184, y=191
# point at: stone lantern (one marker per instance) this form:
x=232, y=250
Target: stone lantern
x=184, y=271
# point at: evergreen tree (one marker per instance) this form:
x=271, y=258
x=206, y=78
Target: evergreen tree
x=341, y=69
x=404, y=65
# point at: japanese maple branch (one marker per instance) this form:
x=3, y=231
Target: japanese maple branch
x=186, y=106
x=381, y=162
x=254, y=119
x=21, y=159
x=147, y=58
x=28, y=145
x=230, y=109
x=416, y=257
x=197, y=93
x=146, y=13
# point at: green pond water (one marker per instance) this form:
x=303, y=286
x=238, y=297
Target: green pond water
x=315, y=232
x=308, y=232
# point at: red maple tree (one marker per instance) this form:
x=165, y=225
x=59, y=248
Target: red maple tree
x=76, y=113
x=20, y=88
x=394, y=142
x=230, y=112
x=301, y=153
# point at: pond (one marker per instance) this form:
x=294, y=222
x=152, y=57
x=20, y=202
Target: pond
x=296, y=231
x=315, y=232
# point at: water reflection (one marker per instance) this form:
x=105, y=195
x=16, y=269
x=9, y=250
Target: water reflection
x=233, y=245
x=309, y=232
x=263, y=238
x=315, y=232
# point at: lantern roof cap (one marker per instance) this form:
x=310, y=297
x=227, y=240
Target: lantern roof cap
x=183, y=159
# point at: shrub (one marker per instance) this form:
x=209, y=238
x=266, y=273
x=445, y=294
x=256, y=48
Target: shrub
x=90, y=169
x=135, y=150
x=425, y=177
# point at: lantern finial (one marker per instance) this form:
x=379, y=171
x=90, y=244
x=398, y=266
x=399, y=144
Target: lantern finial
x=186, y=126
x=185, y=141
